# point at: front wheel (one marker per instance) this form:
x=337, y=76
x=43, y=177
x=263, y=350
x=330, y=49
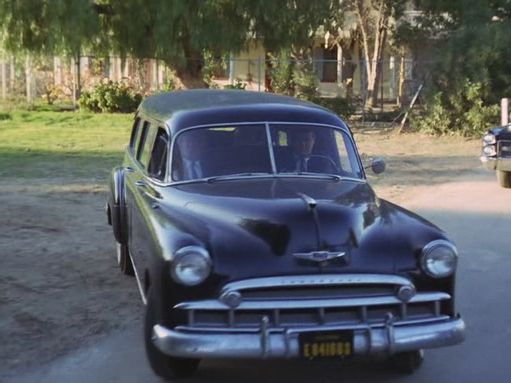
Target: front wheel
x=504, y=178
x=408, y=362
x=165, y=366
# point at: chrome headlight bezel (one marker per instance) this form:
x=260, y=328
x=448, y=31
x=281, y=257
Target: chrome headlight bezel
x=190, y=257
x=489, y=139
x=432, y=254
x=489, y=150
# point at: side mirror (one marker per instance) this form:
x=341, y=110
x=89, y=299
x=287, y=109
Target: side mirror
x=377, y=165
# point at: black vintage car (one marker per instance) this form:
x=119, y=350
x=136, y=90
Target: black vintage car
x=496, y=153
x=251, y=229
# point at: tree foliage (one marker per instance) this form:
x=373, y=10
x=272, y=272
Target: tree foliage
x=178, y=32
x=470, y=42
x=48, y=26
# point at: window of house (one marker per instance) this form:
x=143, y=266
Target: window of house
x=158, y=162
x=329, y=65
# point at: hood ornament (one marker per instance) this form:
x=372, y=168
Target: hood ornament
x=321, y=256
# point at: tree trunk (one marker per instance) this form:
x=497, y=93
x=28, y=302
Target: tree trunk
x=268, y=70
x=12, y=75
x=378, y=66
x=29, y=79
x=401, y=82
x=189, y=74
x=4, y=79
x=373, y=63
x=78, y=88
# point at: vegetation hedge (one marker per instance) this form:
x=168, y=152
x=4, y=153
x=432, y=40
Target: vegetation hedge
x=340, y=106
x=461, y=111
x=110, y=97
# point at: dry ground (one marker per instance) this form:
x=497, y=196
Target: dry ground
x=59, y=285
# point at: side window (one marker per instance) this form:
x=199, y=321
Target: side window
x=158, y=162
x=135, y=134
x=140, y=141
x=146, y=143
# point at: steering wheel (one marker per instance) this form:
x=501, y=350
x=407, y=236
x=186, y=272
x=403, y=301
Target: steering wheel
x=318, y=163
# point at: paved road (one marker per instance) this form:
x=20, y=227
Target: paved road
x=477, y=215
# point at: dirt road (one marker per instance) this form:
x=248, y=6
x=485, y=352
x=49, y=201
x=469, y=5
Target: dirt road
x=60, y=290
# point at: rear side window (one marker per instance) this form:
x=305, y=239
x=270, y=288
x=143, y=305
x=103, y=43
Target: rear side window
x=135, y=134
x=145, y=144
x=158, y=162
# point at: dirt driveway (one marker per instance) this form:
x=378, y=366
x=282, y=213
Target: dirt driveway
x=59, y=284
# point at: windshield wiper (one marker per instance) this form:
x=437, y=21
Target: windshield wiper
x=318, y=175
x=236, y=175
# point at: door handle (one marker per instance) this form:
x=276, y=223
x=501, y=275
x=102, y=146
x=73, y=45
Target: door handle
x=129, y=169
x=140, y=183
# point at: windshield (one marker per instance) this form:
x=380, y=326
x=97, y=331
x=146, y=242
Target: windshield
x=243, y=150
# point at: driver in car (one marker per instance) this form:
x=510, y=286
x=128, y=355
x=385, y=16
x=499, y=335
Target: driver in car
x=303, y=154
x=302, y=143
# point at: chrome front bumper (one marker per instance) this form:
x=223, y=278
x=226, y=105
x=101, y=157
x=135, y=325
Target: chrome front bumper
x=266, y=342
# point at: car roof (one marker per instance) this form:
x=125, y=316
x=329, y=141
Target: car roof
x=182, y=109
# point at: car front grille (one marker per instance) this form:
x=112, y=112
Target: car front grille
x=311, y=301
x=504, y=148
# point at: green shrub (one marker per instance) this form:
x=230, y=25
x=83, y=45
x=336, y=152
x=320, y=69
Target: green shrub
x=5, y=116
x=281, y=73
x=340, y=106
x=306, y=81
x=240, y=85
x=461, y=112
x=110, y=97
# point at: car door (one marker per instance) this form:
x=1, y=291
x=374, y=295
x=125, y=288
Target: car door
x=143, y=191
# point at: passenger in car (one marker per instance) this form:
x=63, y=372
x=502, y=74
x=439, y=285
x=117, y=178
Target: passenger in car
x=190, y=165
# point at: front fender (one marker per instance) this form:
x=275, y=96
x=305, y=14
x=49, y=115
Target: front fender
x=117, y=206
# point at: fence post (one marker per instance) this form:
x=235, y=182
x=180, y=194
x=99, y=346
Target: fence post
x=231, y=69
x=4, y=80
x=73, y=81
x=29, y=79
x=258, y=73
x=12, y=75
x=382, y=78
x=504, y=111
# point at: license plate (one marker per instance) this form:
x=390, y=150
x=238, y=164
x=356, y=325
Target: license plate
x=326, y=344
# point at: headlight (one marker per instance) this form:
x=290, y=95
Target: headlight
x=191, y=265
x=489, y=150
x=439, y=258
x=489, y=138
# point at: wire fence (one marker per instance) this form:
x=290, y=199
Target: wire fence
x=54, y=78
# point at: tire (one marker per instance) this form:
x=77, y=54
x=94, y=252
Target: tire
x=165, y=366
x=504, y=178
x=408, y=362
x=123, y=259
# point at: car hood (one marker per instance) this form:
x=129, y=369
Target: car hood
x=259, y=227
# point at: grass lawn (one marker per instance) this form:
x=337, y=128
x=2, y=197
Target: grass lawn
x=76, y=145
x=41, y=144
